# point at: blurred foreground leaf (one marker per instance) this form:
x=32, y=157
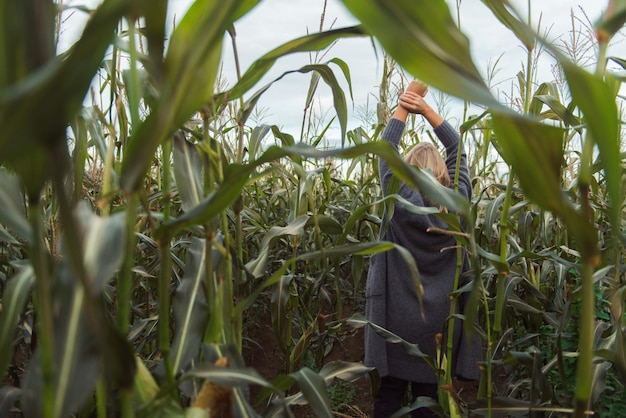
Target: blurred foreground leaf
x=423, y=38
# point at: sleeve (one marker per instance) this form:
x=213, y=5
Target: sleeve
x=450, y=139
x=392, y=134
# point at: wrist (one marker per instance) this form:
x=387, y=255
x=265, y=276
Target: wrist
x=432, y=117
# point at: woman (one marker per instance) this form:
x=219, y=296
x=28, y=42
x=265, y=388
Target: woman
x=391, y=296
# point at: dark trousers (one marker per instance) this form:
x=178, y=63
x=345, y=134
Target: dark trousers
x=391, y=394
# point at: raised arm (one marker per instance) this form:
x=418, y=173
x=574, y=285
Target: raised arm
x=415, y=103
x=448, y=136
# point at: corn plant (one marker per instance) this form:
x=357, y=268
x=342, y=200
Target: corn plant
x=143, y=230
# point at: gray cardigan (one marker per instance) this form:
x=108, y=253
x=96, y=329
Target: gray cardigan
x=391, y=297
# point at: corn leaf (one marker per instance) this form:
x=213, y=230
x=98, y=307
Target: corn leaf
x=534, y=150
x=313, y=388
x=187, y=172
x=14, y=298
x=191, y=65
x=191, y=312
x=597, y=102
x=613, y=18
x=519, y=28
x=423, y=38
x=12, y=199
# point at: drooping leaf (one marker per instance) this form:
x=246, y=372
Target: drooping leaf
x=563, y=113
x=503, y=406
x=519, y=28
x=347, y=371
x=313, y=42
x=104, y=244
x=257, y=266
x=187, y=172
x=256, y=140
x=597, y=102
x=327, y=224
x=313, y=388
x=319, y=70
x=227, y=377
x=534, y=151
x=423, y=38
x=191, y=311
x=358, y=321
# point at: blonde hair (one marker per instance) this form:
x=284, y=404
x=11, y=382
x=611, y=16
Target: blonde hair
x=426, y=156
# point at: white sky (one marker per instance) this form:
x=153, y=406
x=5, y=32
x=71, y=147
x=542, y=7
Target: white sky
x=274, y=22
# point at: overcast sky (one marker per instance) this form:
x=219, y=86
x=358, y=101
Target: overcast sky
x=274, y=22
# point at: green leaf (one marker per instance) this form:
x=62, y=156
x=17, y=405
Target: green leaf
x=255, y=144
x=55, y=93
x=272, y=280
x=327, y=224
x=235, y=178
x=13, y=202
x=501, y=267
x=191, y=312
x=597, y=102
x=358, y=321
x=313, y=388
x=187, y=172
x=534, y=151
x=421, y=402
x=227, y=376
x=536, y=105
x=313, y=42
x=563, y=113
x=155, y=14
x=363, y=248
x=279, y=309
x=492, y=214
x=339, y=98
x=319, y=70
x=257, y=266
x=14, y=298
x=191, y=65
x=503, y=406
x=519, y=28
x=613, y=18
x=86, y=347
x=424, y=39
x=104, y=244
x=619, y=352
x=347, y=371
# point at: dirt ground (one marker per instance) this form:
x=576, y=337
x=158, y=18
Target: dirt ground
x=261, y=352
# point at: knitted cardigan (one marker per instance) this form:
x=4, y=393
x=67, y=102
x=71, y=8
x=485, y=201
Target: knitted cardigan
x=391, y=298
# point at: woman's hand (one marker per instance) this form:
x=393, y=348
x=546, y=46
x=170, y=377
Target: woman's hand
x=414, y=103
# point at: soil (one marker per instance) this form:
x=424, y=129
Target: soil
x=261, y=352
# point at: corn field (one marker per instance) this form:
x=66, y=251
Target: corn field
x=146, y=231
